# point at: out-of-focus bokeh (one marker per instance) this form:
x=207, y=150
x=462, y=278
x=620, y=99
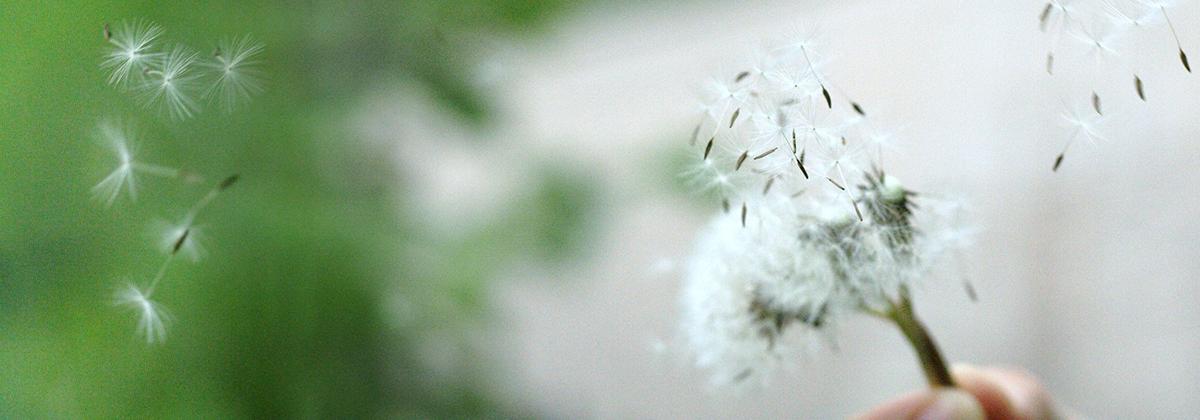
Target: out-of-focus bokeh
x=473, y=209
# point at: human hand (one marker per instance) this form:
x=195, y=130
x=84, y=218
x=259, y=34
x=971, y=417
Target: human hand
x=982, y=392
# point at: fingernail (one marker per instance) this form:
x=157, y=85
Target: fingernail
x=952, y=404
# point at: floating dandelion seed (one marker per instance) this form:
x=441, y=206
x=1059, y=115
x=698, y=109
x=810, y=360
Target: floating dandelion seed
x=173, y=84
x=970, y=289
x=123, y=176
x=131, y=50
x=857, y=108
x=121, y=140
x=1044, y=18
x=237, y=79
x=152, y=318
x=1083, y=124
x=1162, y=6
x=175, y=239
x=183, y=237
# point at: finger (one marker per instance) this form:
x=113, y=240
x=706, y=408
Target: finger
x=937, y=404
x=1005, y=393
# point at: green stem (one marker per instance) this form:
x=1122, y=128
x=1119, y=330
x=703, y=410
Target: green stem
x=936, y=371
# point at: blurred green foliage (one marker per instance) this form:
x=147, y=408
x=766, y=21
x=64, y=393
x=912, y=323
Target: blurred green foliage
x=293, y=313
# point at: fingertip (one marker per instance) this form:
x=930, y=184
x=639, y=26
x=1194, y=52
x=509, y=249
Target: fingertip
x=937, y=404
x=1005, y=393
x=952, y=404
x=991, y=396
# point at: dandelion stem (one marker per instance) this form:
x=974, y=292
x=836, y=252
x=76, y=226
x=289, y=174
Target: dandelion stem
x=936, y=371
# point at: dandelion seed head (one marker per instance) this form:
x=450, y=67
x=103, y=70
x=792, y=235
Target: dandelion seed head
x=152, y=318
x=812, y=232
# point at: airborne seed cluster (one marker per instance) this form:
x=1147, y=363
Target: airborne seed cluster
x=174, y=80
x=1100, y=33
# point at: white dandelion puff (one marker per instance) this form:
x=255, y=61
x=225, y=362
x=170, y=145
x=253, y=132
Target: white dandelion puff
x=237, y=76
x=172, y=85
x=131, y=50
x=811, y=232
x=152, y=318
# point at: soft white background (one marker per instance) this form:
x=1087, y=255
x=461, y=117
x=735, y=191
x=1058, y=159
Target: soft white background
x=1089, y=277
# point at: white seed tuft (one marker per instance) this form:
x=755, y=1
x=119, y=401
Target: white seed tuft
x=152, y=318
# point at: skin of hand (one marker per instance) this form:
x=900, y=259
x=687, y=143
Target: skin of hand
x=982, y=393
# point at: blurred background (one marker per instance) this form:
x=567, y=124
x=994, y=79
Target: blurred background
x=473, y=209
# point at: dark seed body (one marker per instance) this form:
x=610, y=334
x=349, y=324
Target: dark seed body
x=836, y=184
x=179, y=242
x=228, y=182
x=765, y=154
